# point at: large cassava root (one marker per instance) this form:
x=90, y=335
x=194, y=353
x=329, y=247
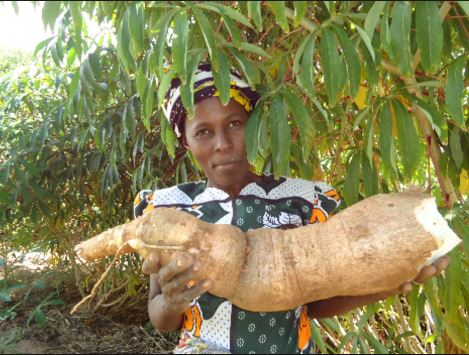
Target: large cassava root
x=372, y=246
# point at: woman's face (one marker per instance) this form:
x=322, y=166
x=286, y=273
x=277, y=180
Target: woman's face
x=215, y=136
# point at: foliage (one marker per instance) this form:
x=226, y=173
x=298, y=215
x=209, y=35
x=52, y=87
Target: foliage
x=371, y=96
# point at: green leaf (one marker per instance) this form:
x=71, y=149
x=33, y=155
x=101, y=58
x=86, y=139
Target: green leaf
x=222, y=79
x=278, y=8
x=254, y=49
x=164, y=85
x=280, y=136
x=373, y=16
x=180, y=45
x=414, y=316
x=370, y=177
x=140, y=82
x=303, y=122
x=187, y=91
x=254, y=13
x=366, y=40
x=234, y=31
x=430, y=290
x=453, y=298
x=431, y=114
x=263, y=137
x=148, y=103
x=407, y=139
x=251, y=133
x=456, y=149
x=345, y=340
x=167, y=136
x=250, y=71
x=207, y=33
x=369, y=140
x=225, y=10
x=39, y=317
x=385, y=32
x=386, y=141
x=351, y=60
x=375, y=344
x=429, y=34
x=5, y=297
x=162, y=25
x=465, y=6
x=130, y=117
x=123, y=40
x=41, y=45
x=300, y=12
x=454, y=90
x=304, y=72
x=372, y=75
x=331, y=62
x=400, y=37
x=50, y=12
x=136, y=26
x=352, y=180
x=75, y=11
x=318, y=338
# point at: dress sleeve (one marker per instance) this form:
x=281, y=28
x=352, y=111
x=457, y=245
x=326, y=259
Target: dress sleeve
x=141, y=202
x=325, y=203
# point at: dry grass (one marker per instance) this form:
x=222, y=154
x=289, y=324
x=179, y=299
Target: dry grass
x=126, y=331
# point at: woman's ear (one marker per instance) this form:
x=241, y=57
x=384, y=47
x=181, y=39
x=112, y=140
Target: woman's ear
x=184, y=142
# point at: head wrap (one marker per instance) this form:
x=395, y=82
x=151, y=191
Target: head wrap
x=204, y=87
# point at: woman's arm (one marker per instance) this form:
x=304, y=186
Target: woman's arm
x=339, y=305
x=161, y=314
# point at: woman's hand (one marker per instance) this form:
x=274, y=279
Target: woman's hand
x=427, y=272
x=180, y=281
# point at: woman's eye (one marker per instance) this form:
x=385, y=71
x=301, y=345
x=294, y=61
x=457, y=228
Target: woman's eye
x=235, y=124
x=202, y=132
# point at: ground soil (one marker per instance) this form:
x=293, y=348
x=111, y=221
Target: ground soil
x=112, y=332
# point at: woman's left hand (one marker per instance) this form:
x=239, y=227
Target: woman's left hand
x=427, y=272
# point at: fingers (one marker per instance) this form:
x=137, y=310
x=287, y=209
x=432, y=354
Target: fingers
x=181, y=281
x=184, y=282
x=434, y=269
x=406, y=288
x=441, y=264
x=188, y=294
x=427, y=272
x=151, y=264
x=175, y=267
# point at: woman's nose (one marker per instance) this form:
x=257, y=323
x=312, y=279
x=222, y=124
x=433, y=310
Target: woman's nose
x=223, y=141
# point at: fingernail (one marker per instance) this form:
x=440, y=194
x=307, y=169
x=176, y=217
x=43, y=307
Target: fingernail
x=196, y=267
x=179, y=263
x=207, y=284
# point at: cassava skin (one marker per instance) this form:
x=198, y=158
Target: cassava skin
x=373, y=246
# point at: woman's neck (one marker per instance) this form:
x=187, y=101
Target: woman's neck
x=235, y=188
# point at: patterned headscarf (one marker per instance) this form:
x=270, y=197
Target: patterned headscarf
x=204, y=87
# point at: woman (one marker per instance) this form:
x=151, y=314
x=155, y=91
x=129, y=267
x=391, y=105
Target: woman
x=232, y=194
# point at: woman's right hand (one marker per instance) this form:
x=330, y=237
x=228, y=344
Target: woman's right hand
x=180, y=280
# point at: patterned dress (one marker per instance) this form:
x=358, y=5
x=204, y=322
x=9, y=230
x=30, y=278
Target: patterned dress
x=283, y=203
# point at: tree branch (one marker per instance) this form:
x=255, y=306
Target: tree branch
x=430, y=136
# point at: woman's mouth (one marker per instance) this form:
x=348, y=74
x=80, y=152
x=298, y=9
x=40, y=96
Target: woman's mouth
x=228, y=162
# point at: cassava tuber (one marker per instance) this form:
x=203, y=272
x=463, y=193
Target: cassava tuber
x=372, y=246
